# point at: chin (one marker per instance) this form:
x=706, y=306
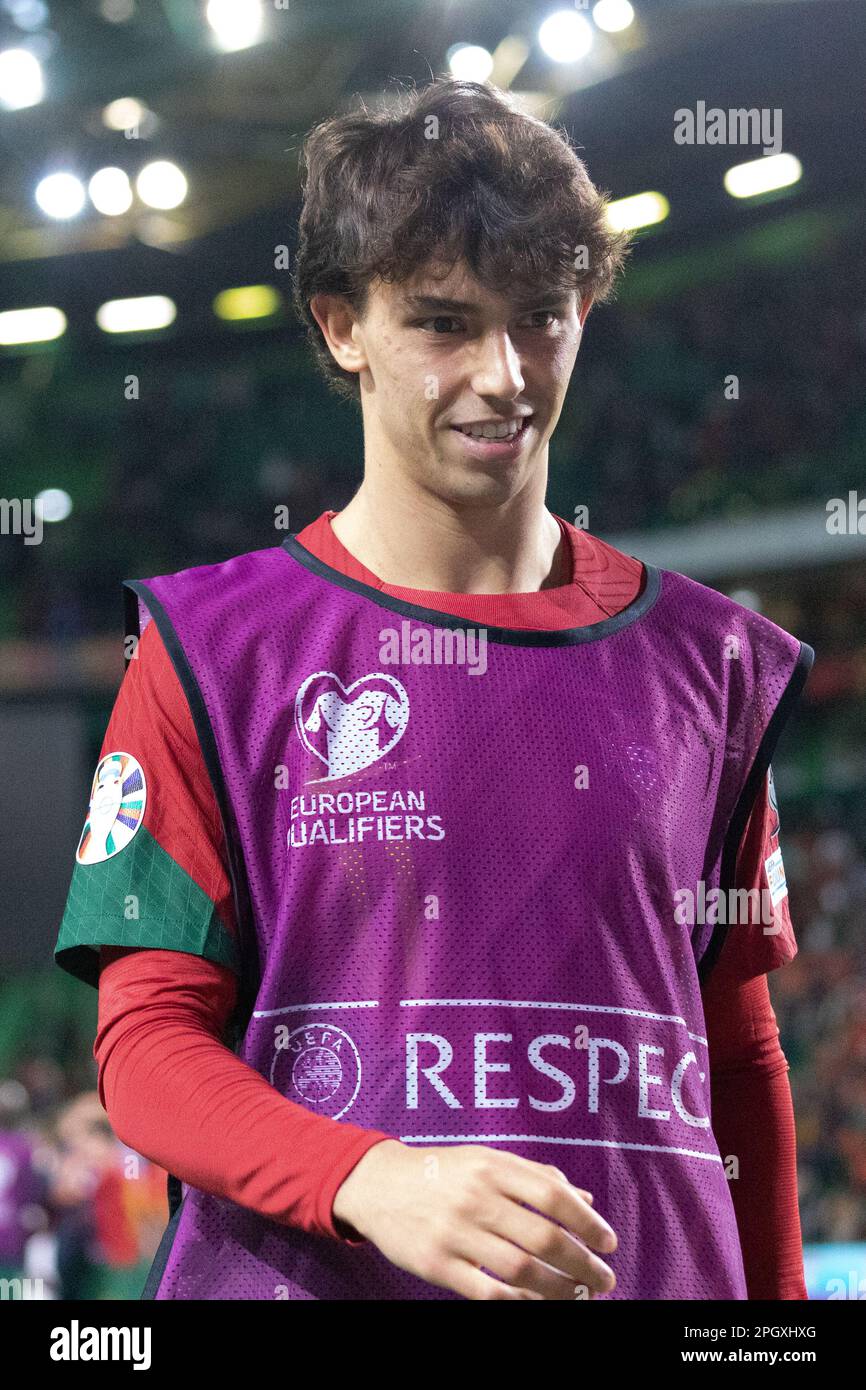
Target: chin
x=480, y=486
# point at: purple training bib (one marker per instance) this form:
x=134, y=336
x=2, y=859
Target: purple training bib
x=456, y=855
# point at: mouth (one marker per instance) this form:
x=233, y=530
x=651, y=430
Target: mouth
x=497, y=445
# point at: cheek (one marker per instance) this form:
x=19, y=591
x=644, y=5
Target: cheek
x=421, y=387
x=552, y=361
x=562, y=361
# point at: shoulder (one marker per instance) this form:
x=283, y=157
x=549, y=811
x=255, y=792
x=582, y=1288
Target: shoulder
x=224, y=576
x=740, y=634
x=218, y=607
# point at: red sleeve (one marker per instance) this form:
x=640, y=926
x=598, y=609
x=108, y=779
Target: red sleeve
x=177, y=1095
x=767, y=942
x=753, y=1121
x=751, y=1094
x=171, y=1089
x=753, y=1112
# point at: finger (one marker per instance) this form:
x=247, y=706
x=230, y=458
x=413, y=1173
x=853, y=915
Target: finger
x=557, y=1172
x=508, y=1262
x=556, y=1197
x=550, y=1243
x=471, y=1282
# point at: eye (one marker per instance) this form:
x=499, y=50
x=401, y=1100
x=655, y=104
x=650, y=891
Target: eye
x=439, y=318
x=548, y=313
x=449, y=318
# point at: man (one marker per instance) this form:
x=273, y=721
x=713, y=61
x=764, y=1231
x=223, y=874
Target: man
x=434, y=776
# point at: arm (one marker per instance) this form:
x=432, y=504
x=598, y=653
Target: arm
x=175, y=1093
x=753, y=1119
x=753, y=1112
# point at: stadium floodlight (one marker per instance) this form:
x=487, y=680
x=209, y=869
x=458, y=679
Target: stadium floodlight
x=110, y=192
x=136, y=315
x=27, y=14
x=54, y=504
x=613, y=15
x=21, y=80
x=236, y=23
x=161, y=184
x=470, y=62
x=763, y=175
x=61, y=195
x=640, y=210
x=40, y=325
x=123, y=113
x=566, y=37
x=247, y=302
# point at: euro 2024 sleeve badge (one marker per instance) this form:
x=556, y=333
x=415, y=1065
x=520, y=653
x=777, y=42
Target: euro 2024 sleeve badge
x=117, y=801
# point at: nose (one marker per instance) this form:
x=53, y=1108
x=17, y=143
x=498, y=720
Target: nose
x=496, y=370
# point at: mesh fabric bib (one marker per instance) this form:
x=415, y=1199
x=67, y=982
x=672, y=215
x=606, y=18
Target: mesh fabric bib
x=456, y=857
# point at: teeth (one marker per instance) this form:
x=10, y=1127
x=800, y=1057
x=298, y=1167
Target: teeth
x=492, y=431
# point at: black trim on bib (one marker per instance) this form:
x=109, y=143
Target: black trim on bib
x=506, y=636
x=131, y=620
x=250, y=976
x=160, y=1259
x=174, y=1190
x=748, y=796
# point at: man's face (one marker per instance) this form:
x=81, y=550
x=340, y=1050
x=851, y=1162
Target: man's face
x=434, y=353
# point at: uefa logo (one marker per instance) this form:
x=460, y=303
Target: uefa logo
x=319, y=1066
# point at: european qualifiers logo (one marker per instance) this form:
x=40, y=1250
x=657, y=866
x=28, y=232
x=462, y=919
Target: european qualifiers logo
x=349, y=727
x=348, y=818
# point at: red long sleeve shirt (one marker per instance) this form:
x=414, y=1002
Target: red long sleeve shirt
x=175, y=1092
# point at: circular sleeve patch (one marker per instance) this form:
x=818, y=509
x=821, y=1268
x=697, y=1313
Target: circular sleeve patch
x=117, y=801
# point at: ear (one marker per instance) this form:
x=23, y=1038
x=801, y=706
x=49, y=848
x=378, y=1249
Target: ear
x=337, y=320
x=584, y=312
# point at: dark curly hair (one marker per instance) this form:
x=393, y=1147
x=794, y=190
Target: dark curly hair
x=457, y=169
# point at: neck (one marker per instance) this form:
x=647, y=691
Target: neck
x=422, y=542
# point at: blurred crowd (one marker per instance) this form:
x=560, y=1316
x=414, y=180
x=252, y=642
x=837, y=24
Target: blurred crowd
x=820, y=1004
x=725, y=399
x=81, y=1216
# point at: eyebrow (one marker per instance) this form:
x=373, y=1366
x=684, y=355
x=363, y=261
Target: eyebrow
x=433, y=302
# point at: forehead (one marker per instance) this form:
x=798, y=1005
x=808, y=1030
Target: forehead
x=450, y=282
x=457, y=289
